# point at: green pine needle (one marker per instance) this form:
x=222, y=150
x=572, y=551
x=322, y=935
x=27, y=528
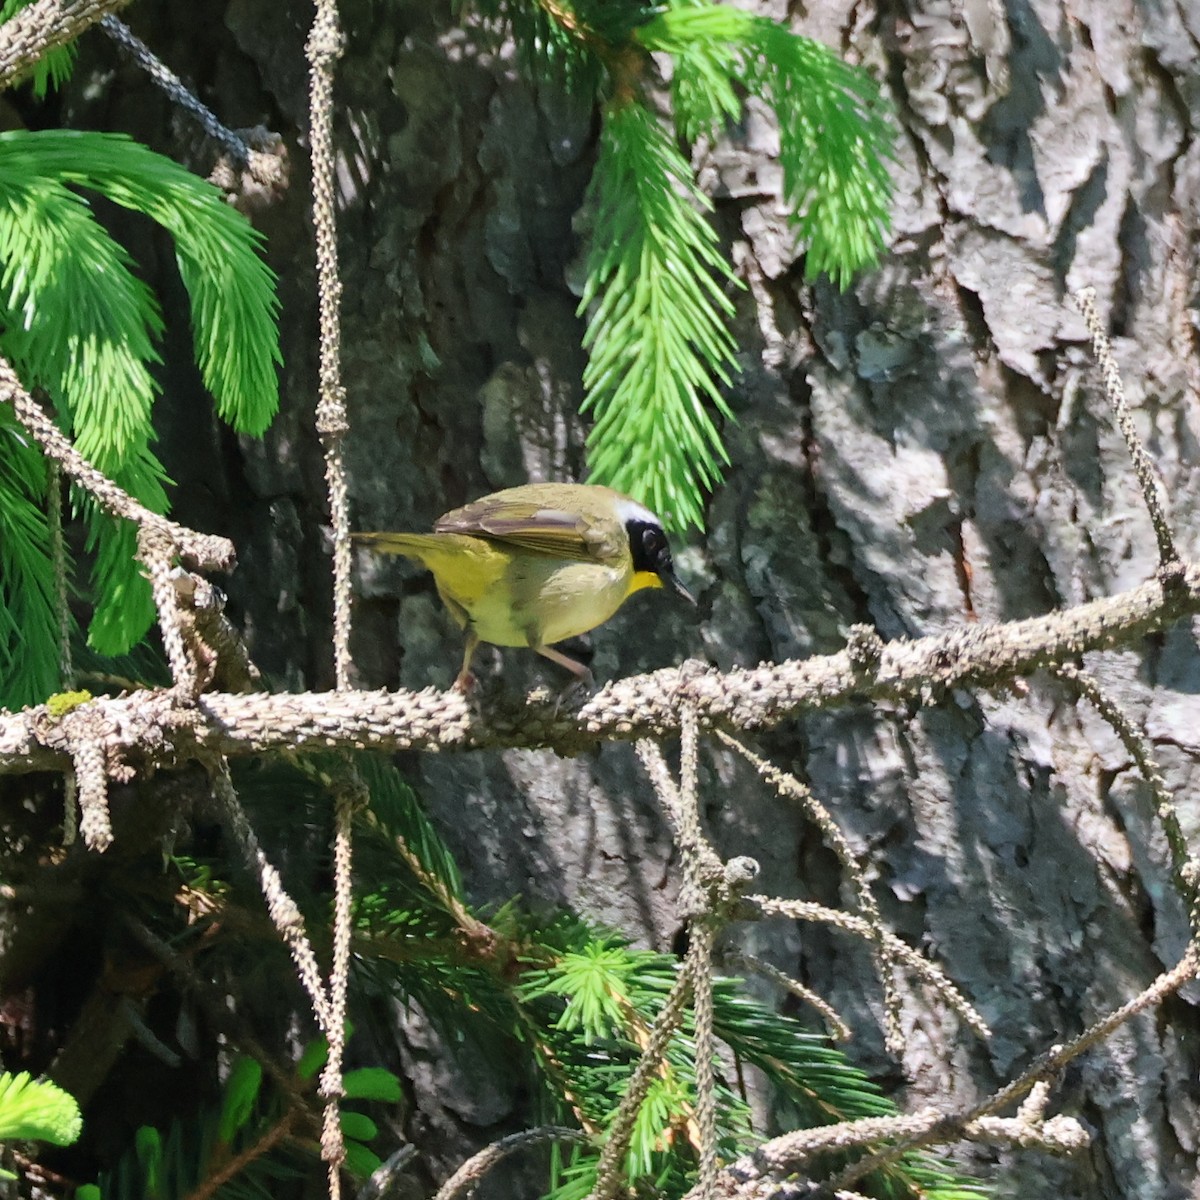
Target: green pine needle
x=234, y=307
x=399, y=815
x=566, y=42
x=594, y=982
x=124, y=606
x=835, y=140
x=660, y=346
x=79, y=324
x=76, y=320
x=657, y=283
x=29, y=635
x=614, y=994
x=658, y=335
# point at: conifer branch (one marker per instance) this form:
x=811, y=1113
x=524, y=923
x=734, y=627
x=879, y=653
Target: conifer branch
x=205, y=551
x=147, y=728
x=44, y=25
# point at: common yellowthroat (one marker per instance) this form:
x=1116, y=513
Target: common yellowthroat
x=534, y=565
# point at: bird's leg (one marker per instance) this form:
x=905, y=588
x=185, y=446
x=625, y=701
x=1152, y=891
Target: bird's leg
x=582, y=673
x=466, y=680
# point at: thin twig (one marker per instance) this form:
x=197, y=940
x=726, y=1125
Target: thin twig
x=213, y=1001
x=205, y=551
x=154, y=550
x=1183, y=864
x=788, y=786
x=804, y=910
x=701, y=871
x=609, y=1170
x=348, y=798
x=176, y=90
x=58, y=560
x=470, y=1174
x=837, y=1029
x=202, y=608
x=1143, y=468
x=324, y=47
x=700, y=951
x=384, y=1175
x=282, y=909
x=1046, y=1067
x=209, y=1186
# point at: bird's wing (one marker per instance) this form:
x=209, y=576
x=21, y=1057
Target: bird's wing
x=530, y=526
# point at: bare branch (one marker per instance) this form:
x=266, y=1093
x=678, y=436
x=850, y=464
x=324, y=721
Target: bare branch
x=836, y=1028
x=323, y=48
x=789, y=787
x=282, y=909
x=475, y=1168
x=900, y=951
x=45, y=24
x=1046, y=1067
x=204, y=551
x=202, y=610
x=626, y=709
x=154, y=550
x=1114, y=391
x=1184, y=867
x=178, y=92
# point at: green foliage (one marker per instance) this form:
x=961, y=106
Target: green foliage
x=657, y=334
x=28, y=621
x=835, y=142
x=593, y=980
x=37, y=1110
x=587, y=1065
x=241, y=1092
x=400, y=819
x=172, y=1165
x=541, y=998
x=658, y=284
x=372, y=1083
x=79, y=324
x=568, y=1007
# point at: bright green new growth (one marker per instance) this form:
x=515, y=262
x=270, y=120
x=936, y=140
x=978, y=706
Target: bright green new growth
x=658, y=335
x=657, y=281
x=78, y=324
x=607, y=995
x=37, y=1110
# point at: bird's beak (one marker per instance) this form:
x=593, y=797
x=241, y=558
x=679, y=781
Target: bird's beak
x=670, y=579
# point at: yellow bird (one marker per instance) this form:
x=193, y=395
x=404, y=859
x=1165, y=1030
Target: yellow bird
x=537, y=564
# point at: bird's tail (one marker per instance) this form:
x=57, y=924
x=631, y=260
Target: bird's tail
x=411, y=545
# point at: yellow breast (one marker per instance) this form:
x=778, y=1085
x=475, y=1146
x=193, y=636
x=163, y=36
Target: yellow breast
x=538, y=600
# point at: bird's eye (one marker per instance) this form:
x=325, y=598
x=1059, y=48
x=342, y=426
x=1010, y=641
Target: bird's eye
x=653, y=540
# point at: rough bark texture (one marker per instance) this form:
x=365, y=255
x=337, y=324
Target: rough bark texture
x=924, y=451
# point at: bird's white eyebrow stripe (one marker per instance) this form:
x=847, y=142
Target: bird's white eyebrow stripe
x=631, y=510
